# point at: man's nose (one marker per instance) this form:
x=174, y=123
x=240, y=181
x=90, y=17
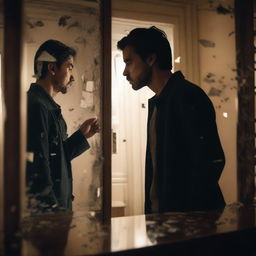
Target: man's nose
x=72, y=79
x=125, y=73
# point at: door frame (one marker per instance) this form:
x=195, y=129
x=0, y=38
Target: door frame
x=181, y=14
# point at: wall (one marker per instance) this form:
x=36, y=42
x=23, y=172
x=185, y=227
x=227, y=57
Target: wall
x=77, y=25
x=217, y=55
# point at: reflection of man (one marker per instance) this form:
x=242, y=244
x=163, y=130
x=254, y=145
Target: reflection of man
x=48, y=233
x=184, y=158
x=50, y=150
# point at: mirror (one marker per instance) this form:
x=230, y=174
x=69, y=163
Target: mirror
x=77, y=25
x=68, y=22
x=204, y=50
x=201, y=48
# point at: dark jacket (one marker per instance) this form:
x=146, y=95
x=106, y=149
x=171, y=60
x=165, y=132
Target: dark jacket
x=189, y=156
x=49, y=153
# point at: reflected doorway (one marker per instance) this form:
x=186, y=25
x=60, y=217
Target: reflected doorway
x=129, y=126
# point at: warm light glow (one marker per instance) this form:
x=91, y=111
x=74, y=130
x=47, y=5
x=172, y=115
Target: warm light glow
x=177, y=60
x=98, y=192
x=225, y=114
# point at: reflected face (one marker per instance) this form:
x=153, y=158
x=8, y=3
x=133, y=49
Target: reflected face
x=137, y=71
x=63, y=77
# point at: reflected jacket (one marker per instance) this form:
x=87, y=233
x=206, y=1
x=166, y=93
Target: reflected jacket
x=49, y=153
x=189, y=155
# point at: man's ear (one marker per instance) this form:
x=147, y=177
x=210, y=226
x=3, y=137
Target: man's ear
x=51, y=68
x=151, y=59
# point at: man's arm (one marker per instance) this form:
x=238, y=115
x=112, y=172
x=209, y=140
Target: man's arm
x=203, y=143
x=204, y=157
x=77, y=143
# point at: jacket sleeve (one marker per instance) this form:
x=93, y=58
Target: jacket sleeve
x=76, y=144
x=39, y=180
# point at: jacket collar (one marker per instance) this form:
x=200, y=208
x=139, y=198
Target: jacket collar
x=170, y=86
x=41, y=92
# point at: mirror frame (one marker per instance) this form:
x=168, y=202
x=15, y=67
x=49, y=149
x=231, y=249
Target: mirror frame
x=246, y=100
x=107, y=113
x=15, y=122
x=13, y=150
x=14, y=147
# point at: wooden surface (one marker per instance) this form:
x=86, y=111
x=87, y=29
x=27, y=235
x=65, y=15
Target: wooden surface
x=246, y=100
x=12, y=126
x=232, y=231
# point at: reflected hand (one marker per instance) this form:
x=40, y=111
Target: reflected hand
x=89, y=127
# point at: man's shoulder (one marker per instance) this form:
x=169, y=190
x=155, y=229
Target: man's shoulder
x=194, y=90
x=38, y=105
x=190, y=94
x=35, y=101
x=178, y=83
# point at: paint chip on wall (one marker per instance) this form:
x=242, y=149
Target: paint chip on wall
x=177, y=60
x=80, y=40
x=223, y=10
x=206, y=43
x=225, y=114
x=63, y=20
x=214, y=92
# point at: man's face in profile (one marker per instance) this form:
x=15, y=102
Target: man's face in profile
x=63, y=77
x=137, y=71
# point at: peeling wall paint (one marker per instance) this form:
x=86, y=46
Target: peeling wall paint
x=219, y=80
x=206, y=43
x=79, y=30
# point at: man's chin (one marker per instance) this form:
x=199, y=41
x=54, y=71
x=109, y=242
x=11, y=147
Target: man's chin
x=136, y=87
x=64, y=90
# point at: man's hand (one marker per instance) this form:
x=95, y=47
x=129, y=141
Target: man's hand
x=89, y=127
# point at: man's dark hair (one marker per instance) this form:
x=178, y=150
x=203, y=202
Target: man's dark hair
x=146, y=41
x=58, y=50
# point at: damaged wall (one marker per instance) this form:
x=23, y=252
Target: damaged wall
x=217, y=53
x=76, y=24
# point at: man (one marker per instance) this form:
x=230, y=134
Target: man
x=184, y=157
x=49, y=149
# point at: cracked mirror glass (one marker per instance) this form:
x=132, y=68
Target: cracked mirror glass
x=61, y=62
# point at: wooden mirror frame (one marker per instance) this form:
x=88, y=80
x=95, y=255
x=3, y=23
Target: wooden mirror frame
x=14, y=129
x=14, y=149
x=244, y=26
